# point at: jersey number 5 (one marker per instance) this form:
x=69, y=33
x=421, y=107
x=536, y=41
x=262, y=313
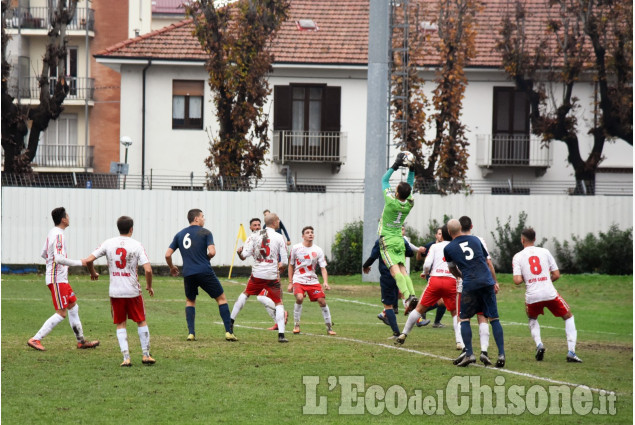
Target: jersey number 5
x=534, y=265
x=467, y=250
x=264, y=248
x=121, y=263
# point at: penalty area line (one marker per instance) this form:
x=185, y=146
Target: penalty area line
x=436, y=356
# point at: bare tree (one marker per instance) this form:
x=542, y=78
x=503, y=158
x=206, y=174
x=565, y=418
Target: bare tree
x=236, y=38
x=580, y=36
x=14, y=117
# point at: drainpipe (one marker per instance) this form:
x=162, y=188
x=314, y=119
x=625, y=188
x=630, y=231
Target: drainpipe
x=143, y=127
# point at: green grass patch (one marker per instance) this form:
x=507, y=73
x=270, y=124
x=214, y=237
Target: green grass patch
x=258, y=380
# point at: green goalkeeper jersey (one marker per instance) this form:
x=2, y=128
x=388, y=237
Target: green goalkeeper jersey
x=395, y=211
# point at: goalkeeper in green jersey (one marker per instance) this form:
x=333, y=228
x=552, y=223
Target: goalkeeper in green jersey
x=397, y=206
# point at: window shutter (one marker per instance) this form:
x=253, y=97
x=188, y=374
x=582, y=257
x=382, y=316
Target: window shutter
x=282, y=108
x=188, y=88
x=331, y=110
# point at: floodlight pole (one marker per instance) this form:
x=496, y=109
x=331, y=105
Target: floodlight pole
x=376, y=124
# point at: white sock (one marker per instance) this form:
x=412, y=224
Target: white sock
x=483, y=333
x=76, y=324
x=326, y=313
x=280, y=318
x=48, y=326
x=297, y=312
x=122, y=336
x=412, y=320
x=534, y=328
x=238, y=305
x=457, y=329
x=270, y=306
x=572, y=333
x=144, y=338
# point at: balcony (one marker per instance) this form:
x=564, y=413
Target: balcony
x=38, y=18
x=512, y=151
x=80, y=88
x=309, y=147
x=64, y=156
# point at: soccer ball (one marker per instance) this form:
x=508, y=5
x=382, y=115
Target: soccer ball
x=408, y=159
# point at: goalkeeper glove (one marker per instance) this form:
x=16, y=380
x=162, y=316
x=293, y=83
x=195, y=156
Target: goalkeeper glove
x=398, y=161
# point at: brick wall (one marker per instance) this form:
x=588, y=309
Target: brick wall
x=111, y=27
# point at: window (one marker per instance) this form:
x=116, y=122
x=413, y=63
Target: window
x=71, y=72
x=187, y=104
x=58, y=144
x=510, y=132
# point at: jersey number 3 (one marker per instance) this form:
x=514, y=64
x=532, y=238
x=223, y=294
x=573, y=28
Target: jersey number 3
x=121, y=263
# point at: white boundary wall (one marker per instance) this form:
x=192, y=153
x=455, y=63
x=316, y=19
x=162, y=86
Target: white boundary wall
x=159, y=215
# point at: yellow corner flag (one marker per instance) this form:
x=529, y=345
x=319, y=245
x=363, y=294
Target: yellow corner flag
x=243, y=236
x=241, y=233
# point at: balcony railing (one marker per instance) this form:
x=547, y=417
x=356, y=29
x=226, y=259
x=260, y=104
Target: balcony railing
x=80, y=88
x=517, y=151
x=309, y=146
x=64, y=156
x=40, y=18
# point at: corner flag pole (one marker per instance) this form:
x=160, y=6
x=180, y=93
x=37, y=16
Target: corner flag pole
x=241, y=235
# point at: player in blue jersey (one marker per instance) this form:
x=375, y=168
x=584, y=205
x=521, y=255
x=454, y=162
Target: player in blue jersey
x=196, y=244
x=467, y=259
x=388, y=285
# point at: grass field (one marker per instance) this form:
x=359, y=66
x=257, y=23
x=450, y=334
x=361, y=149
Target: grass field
x=258, y=380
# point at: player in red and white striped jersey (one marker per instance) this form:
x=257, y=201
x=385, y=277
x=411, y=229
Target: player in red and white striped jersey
x=269, y=251
x=537, y=268
x=64, y=299
x=124, y=255
x=305, y=257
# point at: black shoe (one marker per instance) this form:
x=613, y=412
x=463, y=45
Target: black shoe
x=540, y=353
x=411, y=304
x=485, y=359
x=460, y=358
x=466, y=361
x=572, y=358
x=383, y=318
x=501, y=361
x=281, y=338
x=400, y=339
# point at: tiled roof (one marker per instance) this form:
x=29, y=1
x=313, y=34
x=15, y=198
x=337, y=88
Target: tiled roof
x=342, y=37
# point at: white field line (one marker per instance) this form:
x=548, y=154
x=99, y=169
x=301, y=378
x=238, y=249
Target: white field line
x=435, y=356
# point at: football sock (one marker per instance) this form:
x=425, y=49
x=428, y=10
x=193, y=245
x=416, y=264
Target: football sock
x=497, y=330
x=392, y=319
x=270, y=306
x=122, y=337
x=297, y=312
x=402, y=285
x=440, y=312
x=144, y=338
x=457, y=329
x=409, y=284
x=190, y=315
x=223, y=309
x=48, y=326
x=466, y=334
x=412, y=320
x=534, y=328
x=572, y=333
x=76, y=324
x=280, y=318
x=483, y=333
x=326, y=313
x=238, y=305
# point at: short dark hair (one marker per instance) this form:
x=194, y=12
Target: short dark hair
x=254, y=219
x=307, y=228
x=466, y=223
x=58, y=214
x=529, y=234
x=124, y=224
x=403, y=190
x=445, y=233
x=192, y=214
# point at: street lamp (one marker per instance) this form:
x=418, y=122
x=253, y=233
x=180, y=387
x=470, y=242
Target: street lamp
x=126, y=142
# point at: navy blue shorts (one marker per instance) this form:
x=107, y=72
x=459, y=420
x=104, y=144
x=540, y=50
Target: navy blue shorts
x=206, y=281
x=389, y=290
x=479, y=300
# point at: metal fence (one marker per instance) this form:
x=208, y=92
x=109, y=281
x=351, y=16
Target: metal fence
x=196, y=183
x=309, y=146
x=40, y=18
x=79, y=88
